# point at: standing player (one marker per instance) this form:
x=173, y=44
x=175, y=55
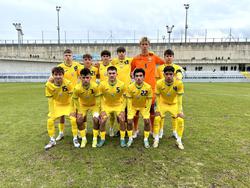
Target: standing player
x=112, y=101
x=169, y=99
x=103, y=67
x=178, y=74
x=59, y=100
x=86, y=98
x=139, y=97
x=104, y=64
x=147, y=61
x=71, y=72
x=87, y=63
x=123, y=65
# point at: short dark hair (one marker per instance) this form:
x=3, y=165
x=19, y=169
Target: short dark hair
x=67, y=51
x=87, y=56
x=139, y=70
x=57, y=70
x=85, y=72
x=120, y=49
x=105, y=52
x=168, y=69
x=169, y=52
x=112, y=68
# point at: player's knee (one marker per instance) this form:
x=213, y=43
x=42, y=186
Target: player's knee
x=80, y=120
x=146, y=122
x=121, y=117
x=95, y=120
x=62, y=119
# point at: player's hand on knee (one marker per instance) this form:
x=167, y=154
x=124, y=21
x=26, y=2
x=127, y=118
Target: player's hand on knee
x=73, y=114
x=181, y=115
x=157, y=113
x=79, y=116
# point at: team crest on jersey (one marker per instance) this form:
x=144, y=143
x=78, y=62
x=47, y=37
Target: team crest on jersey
x=126, y=62
x=92, y=73
x=144, y=92
x=75, y=68
x=175, y=88
x=149, y=59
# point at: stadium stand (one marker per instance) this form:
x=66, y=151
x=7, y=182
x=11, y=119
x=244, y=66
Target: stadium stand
x=215, y=76
x=24, y=77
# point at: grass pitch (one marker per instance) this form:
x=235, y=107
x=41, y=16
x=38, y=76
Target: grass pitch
x=216, y=140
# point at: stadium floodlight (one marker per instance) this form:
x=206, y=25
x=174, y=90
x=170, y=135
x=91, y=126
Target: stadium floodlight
x=186, y=25
x=19, y=32
x=169, y=30
x=58, y=23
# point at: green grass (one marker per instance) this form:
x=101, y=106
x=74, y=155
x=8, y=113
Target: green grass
x=216, y=140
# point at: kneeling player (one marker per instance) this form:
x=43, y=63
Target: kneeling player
x=59, y=98
x=169, y=99
x=139, y=99
x=86, y=98
x=112, y=94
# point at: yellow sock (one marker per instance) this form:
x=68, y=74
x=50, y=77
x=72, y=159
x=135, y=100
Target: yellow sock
x=51, y=127
x=174, y=124
x=73, y=126
x=157, y=124
x=95, y=133
x=162, y=123
x=61, y=127
x=146, y=134
x=83, y=133
x=180, y=127
x=122, y=135
x=103, y=135
x=130, y=133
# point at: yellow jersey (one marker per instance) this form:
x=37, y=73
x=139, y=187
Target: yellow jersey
x=60, y=94
x=178, y=71
x=123, y=69
x=112, y=95
x=93, y=72
x=139, y=95
x=168, y=93
x=72, y=72
x=103, y=71
x=86, y=96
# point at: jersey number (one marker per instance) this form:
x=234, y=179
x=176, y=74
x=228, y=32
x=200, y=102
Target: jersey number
x=118, y=89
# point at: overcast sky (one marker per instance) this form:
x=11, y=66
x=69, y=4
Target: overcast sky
x=116, y=19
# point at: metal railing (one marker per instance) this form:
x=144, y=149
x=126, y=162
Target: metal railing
x=127, y=41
